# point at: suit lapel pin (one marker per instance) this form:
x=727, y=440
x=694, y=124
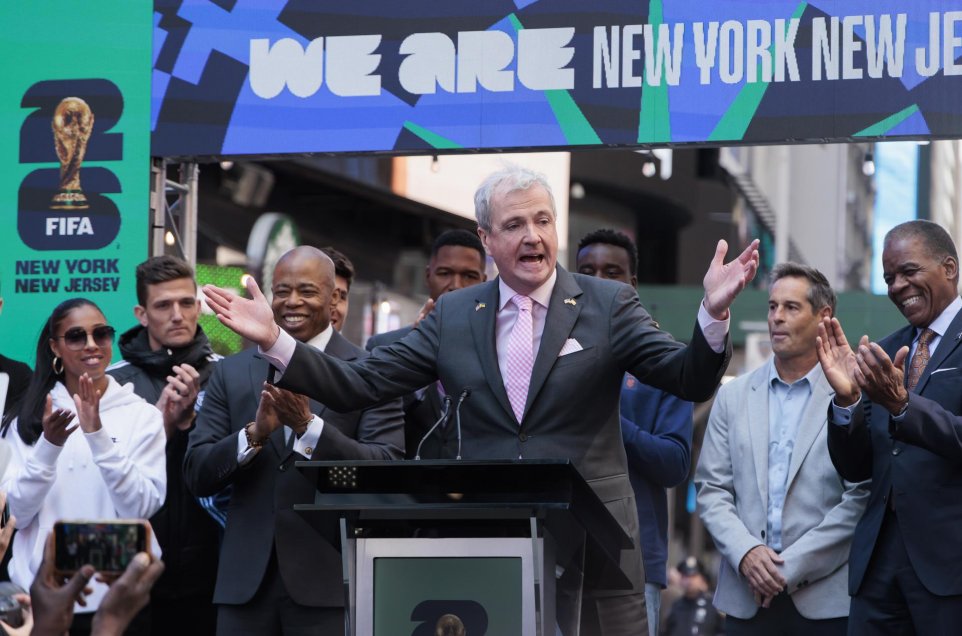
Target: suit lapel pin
x=479, y=306
x=571, y=301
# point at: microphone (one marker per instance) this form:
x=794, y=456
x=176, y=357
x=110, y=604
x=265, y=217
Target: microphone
x=445, y=413
x=457, y=415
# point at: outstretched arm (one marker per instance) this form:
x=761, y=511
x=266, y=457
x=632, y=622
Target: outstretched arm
x=251, y=317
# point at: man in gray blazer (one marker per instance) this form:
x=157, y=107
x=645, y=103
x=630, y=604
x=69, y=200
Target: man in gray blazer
x=778, y=511
x=543, y=352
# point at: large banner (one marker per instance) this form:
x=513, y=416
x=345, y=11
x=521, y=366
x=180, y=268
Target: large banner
x=75, y=150
x=266, y=77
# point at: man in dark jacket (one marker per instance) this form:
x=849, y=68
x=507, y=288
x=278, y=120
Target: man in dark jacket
x=457, y=261
x=693, y=614
x=656, y=426
x=168, y=359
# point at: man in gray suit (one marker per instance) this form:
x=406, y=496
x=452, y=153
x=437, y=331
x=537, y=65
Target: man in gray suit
x=543, y=353
x=778, y=511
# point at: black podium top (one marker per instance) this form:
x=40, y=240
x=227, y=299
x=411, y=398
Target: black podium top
x=465, y=490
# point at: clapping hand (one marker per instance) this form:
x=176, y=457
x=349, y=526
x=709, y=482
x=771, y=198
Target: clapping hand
x=87, y=401
x=291, y=408
x=55, y=423
x=882, y=378
x=838, y=362
x=178, y=398
x=869, y=369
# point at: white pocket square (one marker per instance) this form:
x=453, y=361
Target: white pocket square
x=945, y=369
x=571, y=346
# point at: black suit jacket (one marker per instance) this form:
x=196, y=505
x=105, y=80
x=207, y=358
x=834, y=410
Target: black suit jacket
x=918, y=461
x=422, y=410
x=572, y=404
x=260, y=516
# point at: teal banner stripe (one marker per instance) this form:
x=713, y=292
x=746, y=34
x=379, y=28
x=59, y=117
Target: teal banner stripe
x=574, y=125
x=436, y=140
x=735, y=121
x=654, y=116
x=887, y=124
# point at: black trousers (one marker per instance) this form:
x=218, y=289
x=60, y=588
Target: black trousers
x=892, y=599
x=783, y=619
x=272, y=612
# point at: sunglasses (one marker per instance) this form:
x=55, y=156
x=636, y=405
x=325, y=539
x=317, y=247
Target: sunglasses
x=76, y=337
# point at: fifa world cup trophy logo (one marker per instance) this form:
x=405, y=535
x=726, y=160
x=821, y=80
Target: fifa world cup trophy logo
x=72, y=124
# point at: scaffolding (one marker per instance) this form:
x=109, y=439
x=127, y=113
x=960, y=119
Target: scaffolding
x=173, y=209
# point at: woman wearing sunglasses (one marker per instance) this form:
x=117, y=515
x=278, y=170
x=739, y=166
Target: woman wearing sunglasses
x=84, y=447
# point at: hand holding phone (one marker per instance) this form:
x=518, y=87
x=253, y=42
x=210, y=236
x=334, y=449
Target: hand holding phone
x=52, y=598
x=129, y=594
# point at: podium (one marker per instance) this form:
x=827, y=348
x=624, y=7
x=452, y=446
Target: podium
x=477, y=542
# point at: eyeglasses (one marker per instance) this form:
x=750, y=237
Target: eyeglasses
x=76, y=337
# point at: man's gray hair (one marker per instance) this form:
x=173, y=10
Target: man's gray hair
x=820, y=293
x=511, y=178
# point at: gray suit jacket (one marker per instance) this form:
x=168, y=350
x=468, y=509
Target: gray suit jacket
x=422, y=410
x=820, y=510
x=261, y=518
x=572, y=405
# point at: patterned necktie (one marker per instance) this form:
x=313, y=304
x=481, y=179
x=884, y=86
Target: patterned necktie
x=920, y=359
x=520, y=356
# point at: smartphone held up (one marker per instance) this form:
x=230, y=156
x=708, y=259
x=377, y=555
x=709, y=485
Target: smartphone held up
x=109, y=546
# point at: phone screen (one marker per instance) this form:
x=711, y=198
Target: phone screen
x=108, y=546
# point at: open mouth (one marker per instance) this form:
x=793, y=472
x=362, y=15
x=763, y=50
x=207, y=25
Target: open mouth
x=532, y=259
x=911, y=301
x=294, y=320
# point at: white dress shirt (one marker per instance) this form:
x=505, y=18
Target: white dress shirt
x=306, y=443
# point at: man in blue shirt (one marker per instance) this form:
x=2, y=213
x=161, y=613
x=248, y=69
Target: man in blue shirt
x=781, y=516
x=656, y=426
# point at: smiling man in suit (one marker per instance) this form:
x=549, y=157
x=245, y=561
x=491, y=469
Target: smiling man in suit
x=543, y=352
x=897, y=418
x=780, y=515
x=278, y=574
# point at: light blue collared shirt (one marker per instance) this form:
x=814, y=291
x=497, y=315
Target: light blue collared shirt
x=786, y=405
x=841, y=415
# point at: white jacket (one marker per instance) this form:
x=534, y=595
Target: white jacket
x=119, y=472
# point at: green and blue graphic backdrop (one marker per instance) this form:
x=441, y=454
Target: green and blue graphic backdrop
x=99, y=52
x=403, y=77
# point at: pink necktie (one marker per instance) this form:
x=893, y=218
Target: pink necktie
x=520, y=356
